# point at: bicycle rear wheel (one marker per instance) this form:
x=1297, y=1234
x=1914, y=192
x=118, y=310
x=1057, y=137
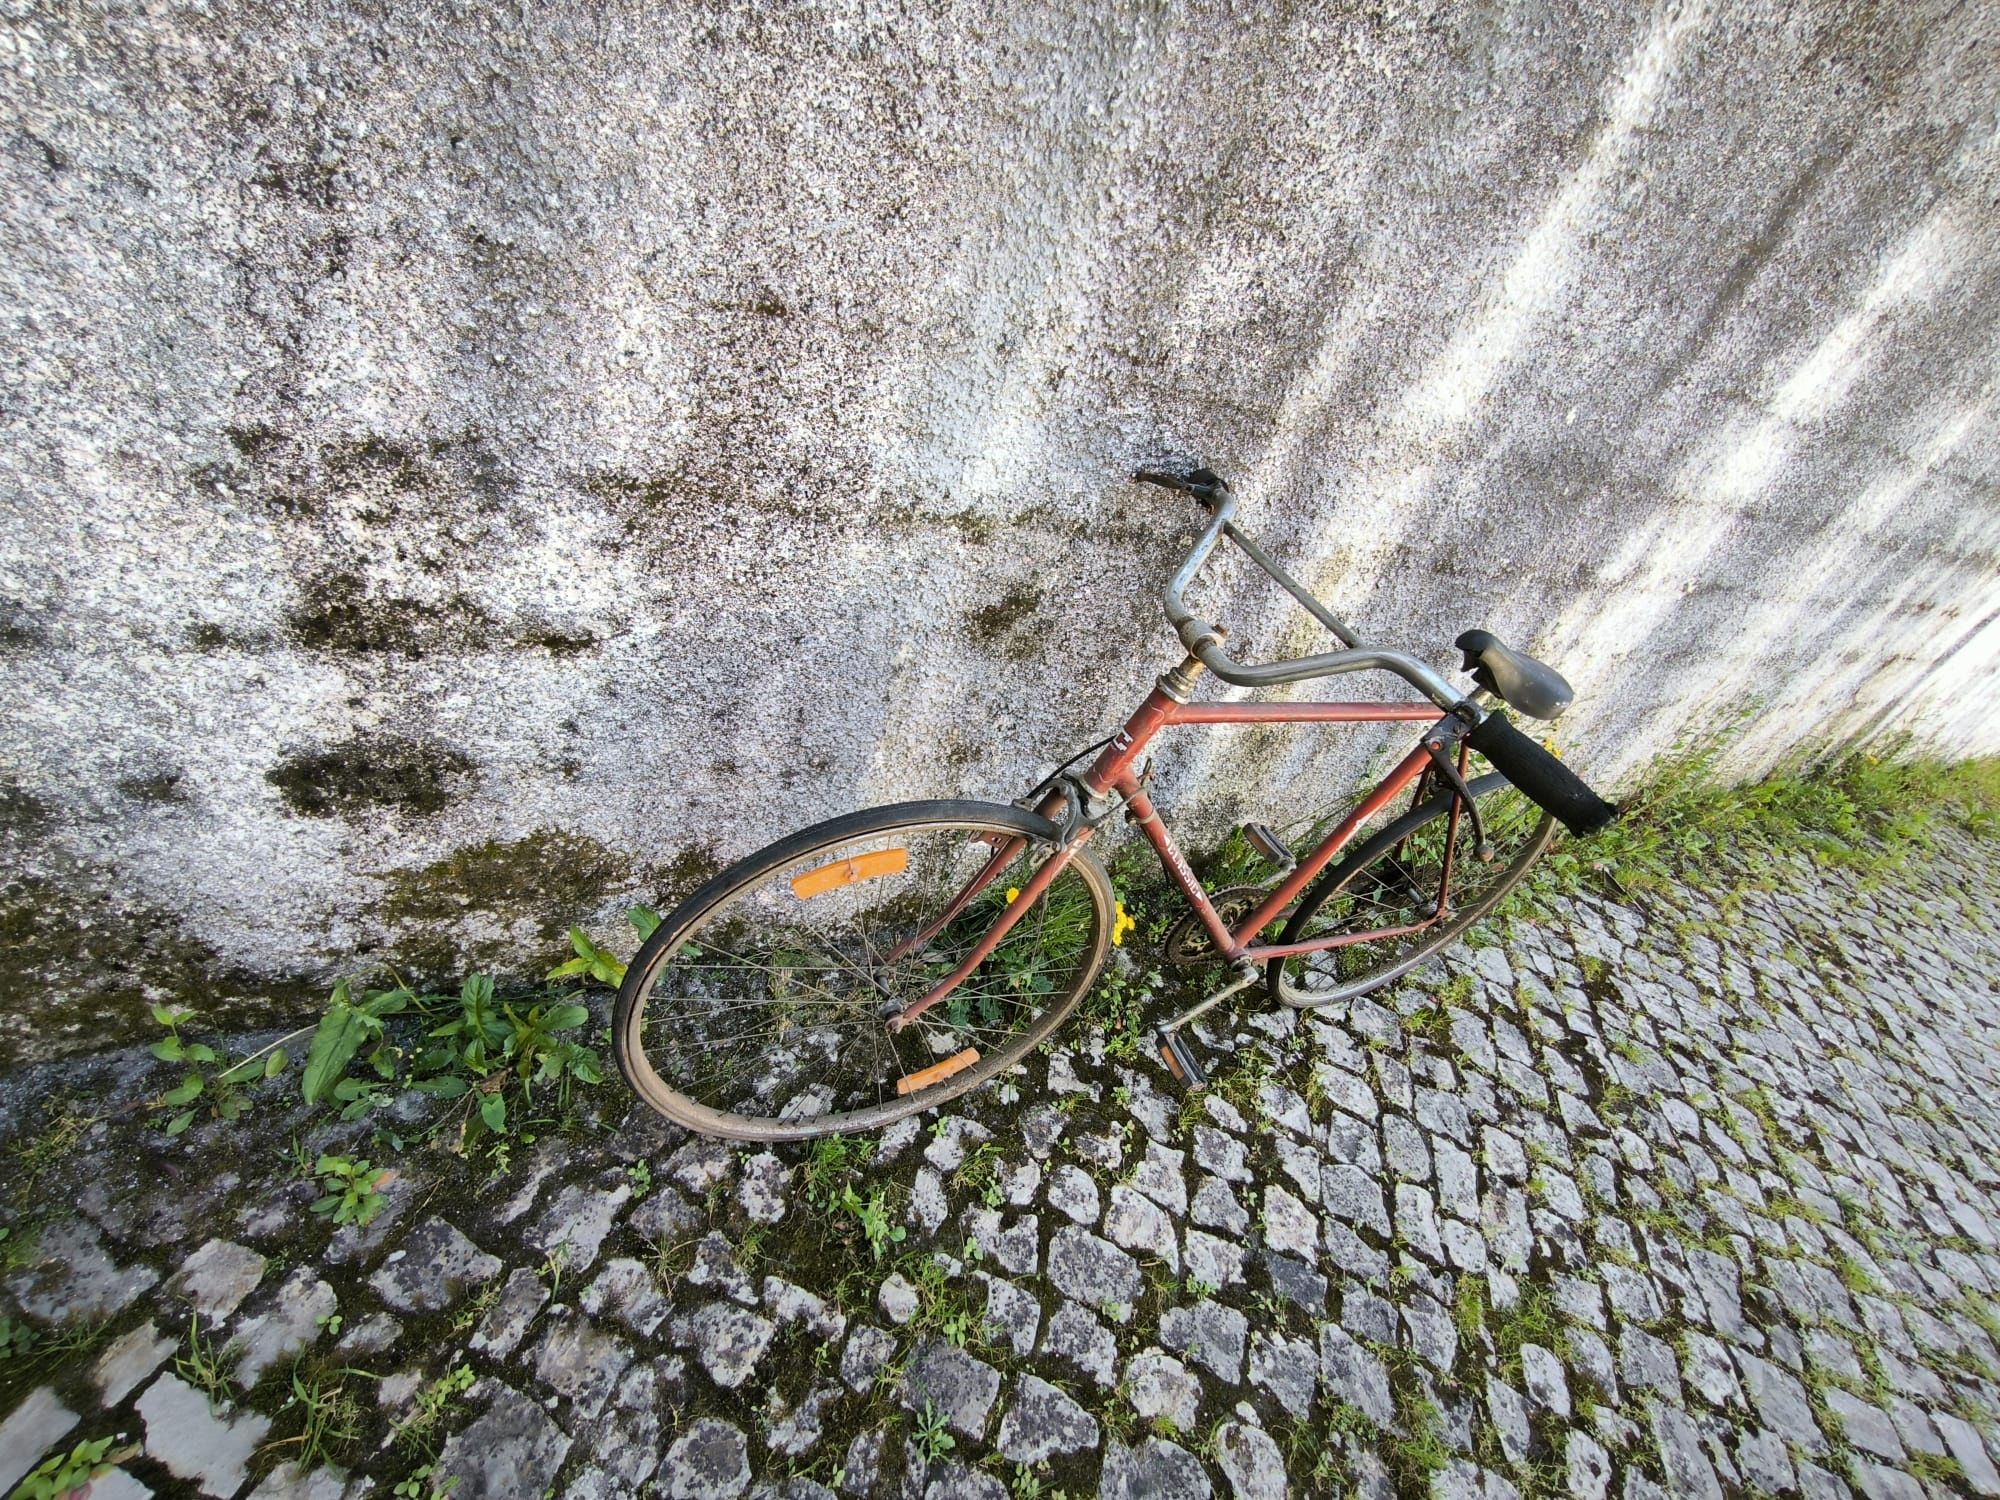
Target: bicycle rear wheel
x=1392, y=881
x=758, y=1010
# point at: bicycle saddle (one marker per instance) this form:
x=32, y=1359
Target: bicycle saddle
x=1533, y=687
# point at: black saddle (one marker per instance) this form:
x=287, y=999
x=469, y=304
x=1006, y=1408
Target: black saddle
x=1533, y=687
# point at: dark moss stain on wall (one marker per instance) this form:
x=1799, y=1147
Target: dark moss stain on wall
x=20, y=809
x=1007, y=625
x=552, y=878
x=156, y=786
x=376, y=457
x=19, y=629
x=80, y=958
x=339, y=616
x=371, y=771
x=556, y=642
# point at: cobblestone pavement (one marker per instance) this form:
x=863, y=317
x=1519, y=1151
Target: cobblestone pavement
x=1694, y=1198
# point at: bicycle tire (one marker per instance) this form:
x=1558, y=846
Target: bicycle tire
x=758, y=872
x=1380, y=846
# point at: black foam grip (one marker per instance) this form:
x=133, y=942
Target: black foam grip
x=1544, y=779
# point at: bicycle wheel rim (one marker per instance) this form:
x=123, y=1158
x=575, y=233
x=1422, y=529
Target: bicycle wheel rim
x=843, y=993
x=1308, y=984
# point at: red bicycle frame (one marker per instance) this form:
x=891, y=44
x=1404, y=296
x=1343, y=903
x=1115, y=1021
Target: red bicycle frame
x=1112, y=775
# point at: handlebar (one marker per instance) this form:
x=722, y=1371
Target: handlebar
x=1205, y=641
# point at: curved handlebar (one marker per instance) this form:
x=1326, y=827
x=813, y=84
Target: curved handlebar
x=1202, y=638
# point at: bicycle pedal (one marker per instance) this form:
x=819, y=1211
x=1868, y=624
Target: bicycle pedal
x=1181, y=1061
x=1269, y=846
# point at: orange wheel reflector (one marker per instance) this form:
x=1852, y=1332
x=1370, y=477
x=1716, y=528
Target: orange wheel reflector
x=923, y=1078
x=847, y=871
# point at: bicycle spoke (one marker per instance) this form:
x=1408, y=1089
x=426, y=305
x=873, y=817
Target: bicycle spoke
x=782, y=1010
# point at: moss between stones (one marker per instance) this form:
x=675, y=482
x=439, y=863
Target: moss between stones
x=370, y=771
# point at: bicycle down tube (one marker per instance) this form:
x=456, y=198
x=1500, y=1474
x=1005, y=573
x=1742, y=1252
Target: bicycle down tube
x=1112, y=773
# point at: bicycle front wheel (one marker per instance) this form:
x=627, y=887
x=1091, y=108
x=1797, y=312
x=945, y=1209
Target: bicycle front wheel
x=759, y=1010
x=1393, y=881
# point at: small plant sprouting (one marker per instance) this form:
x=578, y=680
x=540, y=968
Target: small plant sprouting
x=353, y=1189
x=832, y=1160
x=552, y=1267
x=330, y=1416
x=934, y=1439
x=600, y=964
x=17, y=1340
x=640, y=1175
x=200, y=1365
x=347, y=1024
x=65, y=1474
x=418, y=1485
x=206, y=1075
x=872, y=1214
x=591, y=962
x=980, y=1173
x=433, y=1401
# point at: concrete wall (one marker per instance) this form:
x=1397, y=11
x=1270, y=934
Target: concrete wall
x=465, y=465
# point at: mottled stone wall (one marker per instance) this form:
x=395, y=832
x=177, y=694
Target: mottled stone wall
x=464, y=466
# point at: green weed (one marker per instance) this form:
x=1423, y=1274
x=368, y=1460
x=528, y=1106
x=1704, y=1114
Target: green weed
x=207, y=1076
x=933, y=1438
x=67, y=1474
x=353, y=1189
x=1865, y=810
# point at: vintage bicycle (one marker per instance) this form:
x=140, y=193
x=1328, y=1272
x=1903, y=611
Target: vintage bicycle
x=883, y=962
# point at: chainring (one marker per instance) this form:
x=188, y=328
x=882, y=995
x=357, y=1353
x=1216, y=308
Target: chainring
x=1188, y=944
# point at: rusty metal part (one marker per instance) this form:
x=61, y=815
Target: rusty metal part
x=1188, y=944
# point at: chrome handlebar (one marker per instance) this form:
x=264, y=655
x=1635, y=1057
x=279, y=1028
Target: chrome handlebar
x=1203, y=639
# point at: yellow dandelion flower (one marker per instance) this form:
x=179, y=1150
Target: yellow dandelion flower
x=1013, y=894
x=1120, y=925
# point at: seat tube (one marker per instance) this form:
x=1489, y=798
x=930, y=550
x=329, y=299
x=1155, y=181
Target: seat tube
x=1130, y=743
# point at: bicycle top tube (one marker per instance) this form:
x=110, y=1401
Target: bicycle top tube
x=1202, y=638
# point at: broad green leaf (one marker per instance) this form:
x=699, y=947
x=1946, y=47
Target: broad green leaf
x=201, y=1052
x=180, y=1122
x=447, y=1087
x=327, y=1204
x=341, y=1032
x=189, y=1090
x=493, y=1110
x=645, y=921
x=241, y=1072
x=275, y=1063
x=564, y=1017
x=169, y=1050
x=387, y=1002
x=569, y=969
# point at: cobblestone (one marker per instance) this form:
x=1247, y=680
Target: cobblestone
x=1693, y=1202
